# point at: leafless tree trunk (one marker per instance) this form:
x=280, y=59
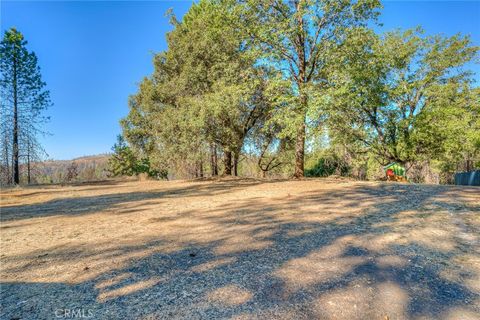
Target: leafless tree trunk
x=15, y=162
x=28, y=162
x=8, y=173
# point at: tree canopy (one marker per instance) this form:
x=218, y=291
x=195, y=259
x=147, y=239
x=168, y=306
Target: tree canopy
x=403, y=96
x=263, y=81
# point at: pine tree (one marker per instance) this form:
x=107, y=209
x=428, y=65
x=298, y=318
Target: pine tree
x=124, y=162
x=23, y=98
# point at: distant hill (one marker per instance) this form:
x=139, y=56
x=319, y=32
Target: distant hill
x=86, y=168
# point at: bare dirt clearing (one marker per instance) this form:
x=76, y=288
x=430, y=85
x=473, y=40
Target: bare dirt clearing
x=241, y=249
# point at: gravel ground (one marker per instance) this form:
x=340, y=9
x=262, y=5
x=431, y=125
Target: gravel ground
x=241, y=249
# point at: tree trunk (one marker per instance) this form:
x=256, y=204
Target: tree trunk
x=236, y=156
x=7, y=162
x=300, y=152
x=213, y=160
x=228, y=162
x=302, y=80
x=16, y=174
x=28, y=163
x=200, y=168
x=300, y=141
x=468, y=165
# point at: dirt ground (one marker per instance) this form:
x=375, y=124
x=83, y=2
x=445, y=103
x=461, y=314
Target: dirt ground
x=241, y=249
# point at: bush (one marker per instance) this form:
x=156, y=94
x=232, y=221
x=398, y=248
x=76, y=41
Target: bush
x=328, y=165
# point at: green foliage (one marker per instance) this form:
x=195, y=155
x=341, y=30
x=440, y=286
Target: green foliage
x=327, y=166
x=17, y=63
x=251, y=81
x=206, y=90
x=409, y=102
x=299, y=38
x=124, y=162
x=23, y=99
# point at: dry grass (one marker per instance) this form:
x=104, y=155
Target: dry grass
x=241, y=249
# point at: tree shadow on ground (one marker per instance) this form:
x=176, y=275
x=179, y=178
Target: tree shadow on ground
x=372, y=257
x=78, y=205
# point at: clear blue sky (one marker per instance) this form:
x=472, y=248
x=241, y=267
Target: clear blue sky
x=93, y=54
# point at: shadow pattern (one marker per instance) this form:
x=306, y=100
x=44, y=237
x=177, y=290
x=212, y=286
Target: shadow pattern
x=363, y=251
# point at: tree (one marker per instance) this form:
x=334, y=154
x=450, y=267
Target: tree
x=24, y=98
x=454, y=121
x=410, y=101
x=220, y=73
x=31, y=151
x=6, y=134
x=209, y=83
x=72, y=172
x=298, y=37
x=124, y=162
x=254, y=77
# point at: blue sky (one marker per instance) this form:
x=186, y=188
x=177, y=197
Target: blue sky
x=94, y=53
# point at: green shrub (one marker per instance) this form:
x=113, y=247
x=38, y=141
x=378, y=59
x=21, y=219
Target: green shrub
x=328, y=165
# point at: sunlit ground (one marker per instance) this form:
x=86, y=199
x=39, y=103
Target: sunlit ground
x=241, y=249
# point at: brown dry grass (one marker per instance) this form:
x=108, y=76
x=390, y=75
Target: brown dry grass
x=242, y=249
